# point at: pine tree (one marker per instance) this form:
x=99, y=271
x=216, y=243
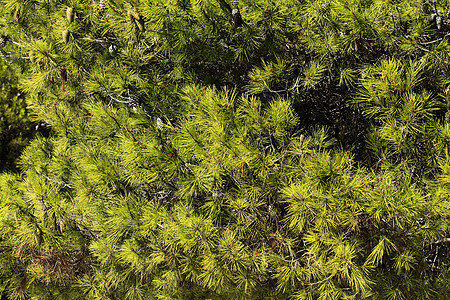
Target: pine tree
x=228, y=150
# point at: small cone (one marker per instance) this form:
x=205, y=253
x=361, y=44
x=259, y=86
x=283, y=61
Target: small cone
x=63, y=73
x=130, y=16
x=31, y=56
x=140, y=24
x=3, y=40
x=439, y=22
x=66, y=35
x=432, y=19
x=17, y=16
x=101, y=7
x=236, y=18
x=70, y=14
x=134, y=13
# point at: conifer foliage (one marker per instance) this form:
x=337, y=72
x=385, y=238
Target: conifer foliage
x=222, y=149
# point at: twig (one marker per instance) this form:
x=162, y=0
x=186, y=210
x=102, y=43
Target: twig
x=15, y=57
x=296, y=85
x=58, y=182
x=424, y=49
x=435, y=41
x=115, y=99
x=444, y=240
x=16, y=43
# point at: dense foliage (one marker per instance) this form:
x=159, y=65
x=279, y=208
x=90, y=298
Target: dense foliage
x=218, y=149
